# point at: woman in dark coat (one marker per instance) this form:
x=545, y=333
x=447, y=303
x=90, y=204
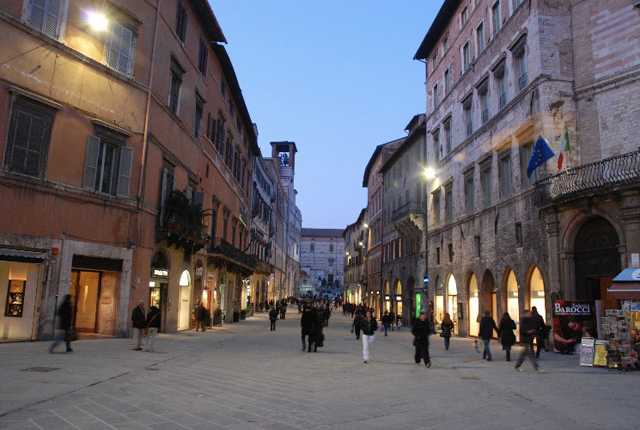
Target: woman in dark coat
x=507, y=337
x=317, y=335
x=447, y=328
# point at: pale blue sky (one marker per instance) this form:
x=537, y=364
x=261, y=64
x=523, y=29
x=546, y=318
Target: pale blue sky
x=335, y=76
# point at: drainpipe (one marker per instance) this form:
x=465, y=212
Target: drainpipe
x=145, y=136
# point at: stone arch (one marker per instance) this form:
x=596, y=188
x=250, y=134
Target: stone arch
x=488, y=294
x=596, y=258
x=511, y=294
x=474, y=304
x=439, y=297
x=452, y=300
x=535, y=291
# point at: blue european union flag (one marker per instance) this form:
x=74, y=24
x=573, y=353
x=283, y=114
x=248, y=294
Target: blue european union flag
x=540, y=154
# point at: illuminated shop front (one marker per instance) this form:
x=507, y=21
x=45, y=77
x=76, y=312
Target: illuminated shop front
x=387, y=297
x=19, y=285
x=536, y=287
x=184, y=311
x=159, y=285
x=474, y=306
x=399, y=307
x=513, y=306
x=452, y=301
x=439, y=302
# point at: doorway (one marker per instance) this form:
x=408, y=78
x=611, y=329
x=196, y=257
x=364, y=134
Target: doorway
x=474, y=306
x=597, y=259
x=452, y=302
x=94, y=297
x=184, y=313
x=158, y=298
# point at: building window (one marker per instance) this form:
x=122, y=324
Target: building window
x=477, y=245
x=469, y=191
x=445, y=44
x=438, y=255
x=495, y=17
x=436, y=206
x=447, y=134
x=234, y=228
x=466, y=57
x=225, y=224
x=437, y=147
x=236, y=164
x=331, y=247
x=436, y=100
x=515, y=4
x=120, y=49
x=46, y=16
x=202, y=57
x=29, y=136
x=166, y=187
x=464, y=16
x=228, y=152
x=518, y=233
x=197, y=121
x=505, y=174
x=312, y=247
x=447, y=81
x=174, y=88
x=483, y=93
x=220, y=134
x=15, y=298
x=501, y=85
x=181, y=22
x=480, y=41
x=451, y=253
x=214, y=221
x=448, y=202
x=520, y=65
x=331, y=260
x=467, y=107
x=485, y=182
x=108, y=164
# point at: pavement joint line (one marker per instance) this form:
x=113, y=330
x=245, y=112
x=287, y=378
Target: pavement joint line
x=59, y=395
x=64, y=419
x=96, y=418
x=35, y=424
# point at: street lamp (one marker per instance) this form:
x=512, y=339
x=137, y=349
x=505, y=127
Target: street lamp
x=97, y=21
x=429, y=173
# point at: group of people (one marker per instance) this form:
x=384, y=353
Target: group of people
x=146, y=326
x=532, y=329
x=312, y=322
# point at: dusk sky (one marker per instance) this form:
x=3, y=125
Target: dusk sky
x=336, y=77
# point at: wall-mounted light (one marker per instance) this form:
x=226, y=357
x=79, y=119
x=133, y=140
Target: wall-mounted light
x=366, y=225
x=429, y=173
x=97, y=21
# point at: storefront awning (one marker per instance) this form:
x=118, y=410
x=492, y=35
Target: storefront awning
x=626, y=285
x=22, y=255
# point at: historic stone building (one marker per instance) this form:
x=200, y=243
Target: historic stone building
x=500, y=74
x=356, y=238
x=373, y=182
x=403, y=223
x=321, y=255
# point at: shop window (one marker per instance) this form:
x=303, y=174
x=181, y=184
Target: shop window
x=108, y=163
x=29, y=135
x=15, y=298
x=46, y=16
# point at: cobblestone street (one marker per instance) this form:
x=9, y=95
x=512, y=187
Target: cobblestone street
x=244, y=377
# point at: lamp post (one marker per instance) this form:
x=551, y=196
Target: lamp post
x=429, y=175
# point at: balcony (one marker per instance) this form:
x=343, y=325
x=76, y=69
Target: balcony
x=181, y=225
x=222, y=253
x=600, y=177
x=408, y=219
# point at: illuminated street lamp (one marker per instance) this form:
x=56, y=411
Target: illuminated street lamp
x=429, y=173
x=366, y=225
x=97, y=21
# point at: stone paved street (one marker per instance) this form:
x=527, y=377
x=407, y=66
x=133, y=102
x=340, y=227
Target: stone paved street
x=244, y=377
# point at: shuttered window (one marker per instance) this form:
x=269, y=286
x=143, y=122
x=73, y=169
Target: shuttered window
x=505, y=174
x=46, y=16
x=174, y=89
x=108, y=163
x=120, y=48
x=29, y=135
x=181, y=22
x=485, y=182
x=202, y=57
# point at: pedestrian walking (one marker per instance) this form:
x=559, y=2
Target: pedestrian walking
x=446, y=328
x=327, y=315
x=153, y=327
x=528, y=329
x=392, y=320
x=64, y=330
x=386, y=322
x=540, y=328
x=369, y=325
x=139, y=321
x=507, y=337
x=306, y=327
x=487, y=327
x=317, y=335
x=201, y=317
x=356, y=326
x=283, y=309
x=273, y=317
x=421, y=331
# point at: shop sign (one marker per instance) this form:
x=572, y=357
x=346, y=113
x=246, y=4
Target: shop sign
x=587, y=351
x=199, y=271
x=161, y=273
x=572, y=320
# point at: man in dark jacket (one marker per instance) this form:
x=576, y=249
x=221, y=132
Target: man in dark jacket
x=139, y=321
x=487, y=327
x=273, y=317
x=307, y=322
x=317, y=336
x=201, y=317
x=386, y=322
x=65, y=325
x=528, y=329
x=421, y=331
x=153, y=326
x=540, y=328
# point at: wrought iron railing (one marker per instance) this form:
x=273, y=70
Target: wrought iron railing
x=601, y=175
x=220, y=246
x=406, y=209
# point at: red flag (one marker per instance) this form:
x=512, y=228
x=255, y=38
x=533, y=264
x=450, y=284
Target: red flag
x=560, y=160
